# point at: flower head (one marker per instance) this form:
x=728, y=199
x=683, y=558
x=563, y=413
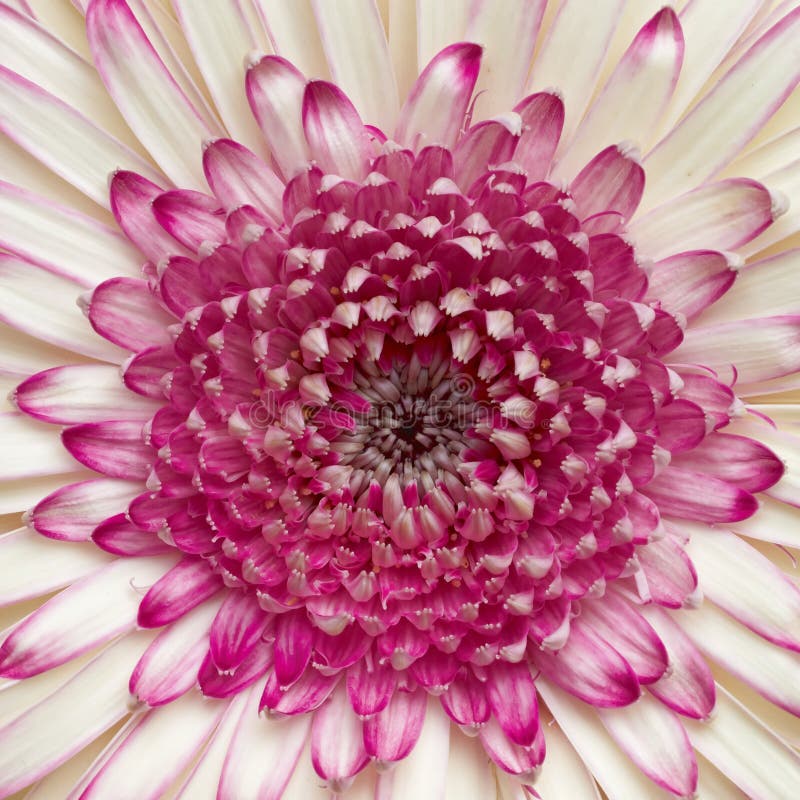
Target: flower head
x=410, y=406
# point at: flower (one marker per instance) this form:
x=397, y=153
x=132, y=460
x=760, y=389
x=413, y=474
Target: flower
x=399, y=403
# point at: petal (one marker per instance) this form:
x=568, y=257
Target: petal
x=275, y=91
x=542, y=121
x=435, y=109
x=337, y=749
x=688, y=687
x=149, y=98
x=717, y=128
x=262, y=755
x=612, y=181
x=745, y=750
x=73, y=622
x=31, y=746
x=669, y=575
x=115, y=449
x=192, y=218
x=62, y=240
x=30, y=448
x=239, y=177
x=33, y=565
x=44, y=305
x=391, y=734
x=294, y=641
x=124, y=311
x=486, y=144
x=656, y=742
x=589, y=668
x=167, y=740
x=750, y=350
x=236, y=630
x=81, y=393
x=693, y=495
x=522, y=762
x=62, y=138
x=219, y=38
x=334, y=131
x=512, y=697
x=352, y=36
x=719, y=216
x=73, y=512
x=168, y=668
x=185, y=586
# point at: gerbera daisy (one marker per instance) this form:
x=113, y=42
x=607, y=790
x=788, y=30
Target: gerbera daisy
x=403, y=399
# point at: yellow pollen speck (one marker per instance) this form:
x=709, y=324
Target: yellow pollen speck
x=269, y=504
x=386, y=278
x=537, y=436
x=256, y=392
x=456, y=583
x=537, y=462
x=335, y=290
x=544, y=364
x=295, y=354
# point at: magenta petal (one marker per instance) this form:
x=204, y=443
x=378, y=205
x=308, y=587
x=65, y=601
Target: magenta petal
x=185, y=586
x=510, y=757
x=294, y=640
x=308, y=692
x=236, y=630
x=612, y=181
x=391, y=734
x=215, y=683
x=512, y=697
x=466, y=703
x=191, y=218
x=115, y=449
x=118, y=536
x=543, y=120
x=370, y=689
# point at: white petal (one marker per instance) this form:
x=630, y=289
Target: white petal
x=34, y=565
x=469, y=771
x=563, y=773
x=293, y=32
x=165, y=740
x=355, y=44
x=20, y=494
x=420, y=776
x=22, y=355
x=574, y=70
x=762, y=289
x=508, y=40
x=220, y=40
x=439, y=23
x=37, y=54
x=775, y=522
x=159, y=113
x=635, y=96
x=712, y=134
x=709, y=30
x=62, y=138
x=768, y=158
x=31, y=448
x=744, y=750
x=263, y=753
x=203, y=781
x=402, y=43
x=44, y=305
x=87, y=613
x=746, y=584
x=612, y=769
x=32, y=745
x=63, y=240
x=769, y=669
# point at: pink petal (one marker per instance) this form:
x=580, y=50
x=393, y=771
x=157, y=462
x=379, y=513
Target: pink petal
x=391, y=734
x=671, y=579
x=512, y=697
x=191, y=218
x=115, y=449
x=236, y=630
x=487, y=144
x=542, y=121
x=612, y=181
x=510, y=757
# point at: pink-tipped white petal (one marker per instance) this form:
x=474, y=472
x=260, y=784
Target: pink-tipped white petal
x=542, y=116
x=124, y=312
x=747, y=585
x=392, y=733
x=635, y=96
x=337, y=746
x=745, y=750
x=352, y=36
x=769, y=669
x=30, y=449
x=747, y=351
x=508, y=40
x=33, y=565
x=168, y=668
x=79, y=394
x=435, y=109
x=612, y=181
x=275, y=89
x=44, y=305
x=153, y=104
x=166, y=740
x=239, y=177
x=220, y=40
x=74, y=511
x=62, y=240
x=62, y=138
x=575, y=71
x=32, y=746
x=718, y=216
x=617, y=775
x=688, y=283
x=73, y=621
x=656, y=742
x=334, y=131
x=262, y=755
x=714, y=132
